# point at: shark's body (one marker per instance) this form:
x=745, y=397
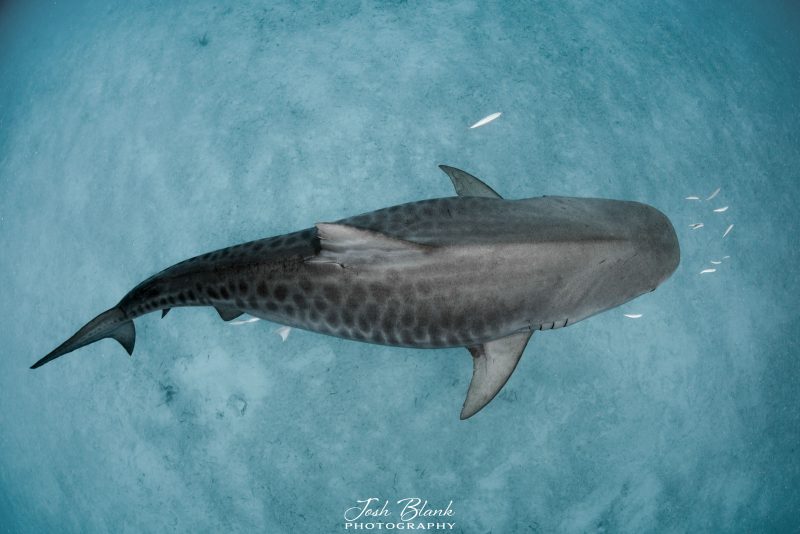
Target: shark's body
x=473, y=271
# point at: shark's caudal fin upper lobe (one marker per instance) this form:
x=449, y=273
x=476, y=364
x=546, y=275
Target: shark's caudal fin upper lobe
x=112, y=323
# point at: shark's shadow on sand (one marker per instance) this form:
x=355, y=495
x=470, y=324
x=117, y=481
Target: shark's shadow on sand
x=475, y=271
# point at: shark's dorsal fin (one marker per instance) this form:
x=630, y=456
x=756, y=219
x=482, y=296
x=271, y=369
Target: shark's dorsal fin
x=493, y=363
x=342, y=244
x=467, y=185
x=228, y=314
x=338, y=237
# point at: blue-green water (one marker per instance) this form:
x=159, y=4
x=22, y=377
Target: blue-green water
x=134, y=135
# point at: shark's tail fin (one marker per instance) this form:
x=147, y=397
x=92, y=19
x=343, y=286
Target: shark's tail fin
x=112, y=323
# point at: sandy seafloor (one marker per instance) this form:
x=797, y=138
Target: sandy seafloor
x=136, y=134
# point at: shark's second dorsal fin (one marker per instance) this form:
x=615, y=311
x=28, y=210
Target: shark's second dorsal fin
x=493, y=363
x=467, y=185
x=342, y=244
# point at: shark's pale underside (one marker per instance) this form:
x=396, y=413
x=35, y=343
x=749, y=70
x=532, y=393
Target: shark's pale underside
x=474, y=271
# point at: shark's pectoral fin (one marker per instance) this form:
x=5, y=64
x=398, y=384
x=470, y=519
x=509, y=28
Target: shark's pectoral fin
x=228, y=314
x=344, y=244
x=467, y=185
x=493, y=363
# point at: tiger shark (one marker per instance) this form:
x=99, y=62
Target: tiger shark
x=474, y=270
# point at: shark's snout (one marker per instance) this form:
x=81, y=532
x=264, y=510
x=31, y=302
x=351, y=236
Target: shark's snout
x=661, y=244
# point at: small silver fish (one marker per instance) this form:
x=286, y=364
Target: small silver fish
x=721, y=210
x=692, y=198
x=633, y=315
x=715, y=262
x=726, y=233
x=284, y=332
x=486, y=120
x=726, y=257
x=705, y=271
x=715, y=193
x=695, y=226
